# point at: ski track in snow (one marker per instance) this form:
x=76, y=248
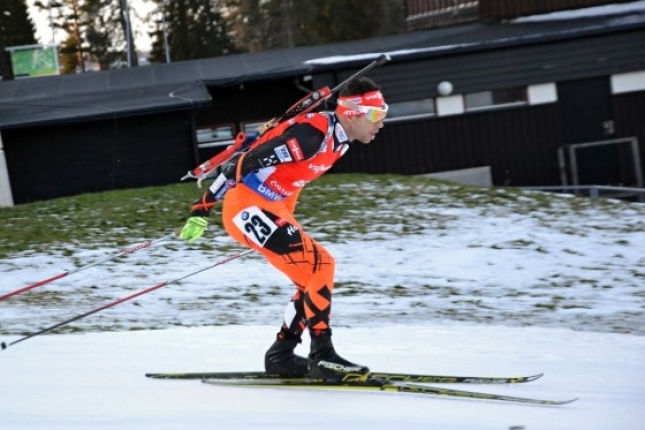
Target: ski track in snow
x=96, y=380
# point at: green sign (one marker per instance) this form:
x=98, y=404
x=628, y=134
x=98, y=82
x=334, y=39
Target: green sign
x=34, y=60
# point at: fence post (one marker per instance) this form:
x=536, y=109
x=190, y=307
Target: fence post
x=6, y=198
x=593, y=192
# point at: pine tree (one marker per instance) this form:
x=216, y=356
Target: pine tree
x=16, y=29
x=289, y=23
x=103, y=33
x=67, y=15
x=195, y=29
x=268, y=24
x=341, y=20
x=247, y=21
x=106, y=33
x=95, y=32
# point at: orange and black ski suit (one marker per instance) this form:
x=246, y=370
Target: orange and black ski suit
x=260, y=191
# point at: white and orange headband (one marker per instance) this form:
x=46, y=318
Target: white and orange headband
x=370, y=104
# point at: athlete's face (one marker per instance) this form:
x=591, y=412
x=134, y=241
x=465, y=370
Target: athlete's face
x=363, y=129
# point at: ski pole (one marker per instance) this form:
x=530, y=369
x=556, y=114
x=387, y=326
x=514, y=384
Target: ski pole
x=143, y=245
x=4, y=345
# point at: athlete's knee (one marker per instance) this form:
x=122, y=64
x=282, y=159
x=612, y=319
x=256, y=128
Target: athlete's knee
x=322, y=254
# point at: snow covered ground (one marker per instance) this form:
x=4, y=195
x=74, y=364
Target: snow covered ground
x=507, y=260
x=516, y=287
x=95, y=381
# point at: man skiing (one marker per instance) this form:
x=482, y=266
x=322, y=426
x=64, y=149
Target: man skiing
x=259, y=190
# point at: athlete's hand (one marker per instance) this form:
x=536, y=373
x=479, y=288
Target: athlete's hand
x=194, y=228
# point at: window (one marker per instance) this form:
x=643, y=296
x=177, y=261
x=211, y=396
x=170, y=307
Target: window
x=411, y=109
x=495, y=98
x=220, y=135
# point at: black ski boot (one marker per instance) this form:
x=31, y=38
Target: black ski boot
x=280, y=359
x=326, y=364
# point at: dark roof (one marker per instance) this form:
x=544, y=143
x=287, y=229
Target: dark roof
x=37, y=101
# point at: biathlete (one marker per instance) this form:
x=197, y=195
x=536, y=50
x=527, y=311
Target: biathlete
x=259, y=190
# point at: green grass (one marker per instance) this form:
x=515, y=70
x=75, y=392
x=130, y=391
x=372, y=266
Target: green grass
x=113, y=217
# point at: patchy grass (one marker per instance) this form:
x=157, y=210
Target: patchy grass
x=339, y=207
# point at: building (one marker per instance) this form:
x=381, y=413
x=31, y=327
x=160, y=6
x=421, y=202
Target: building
x=521, y=97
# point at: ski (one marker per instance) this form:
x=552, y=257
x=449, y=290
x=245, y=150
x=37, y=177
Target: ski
x=384, y=376
x=375, y=384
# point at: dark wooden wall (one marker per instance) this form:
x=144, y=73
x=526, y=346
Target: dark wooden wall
x=629, y=114
x=65, y=160
x=519, y=144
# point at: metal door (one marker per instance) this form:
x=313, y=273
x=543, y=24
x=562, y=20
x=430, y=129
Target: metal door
x=586, y=116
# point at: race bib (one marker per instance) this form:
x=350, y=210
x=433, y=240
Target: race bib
x=255, y=225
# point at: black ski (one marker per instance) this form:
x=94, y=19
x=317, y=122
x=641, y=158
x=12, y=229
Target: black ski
x=384, y=376
x=375, y=384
